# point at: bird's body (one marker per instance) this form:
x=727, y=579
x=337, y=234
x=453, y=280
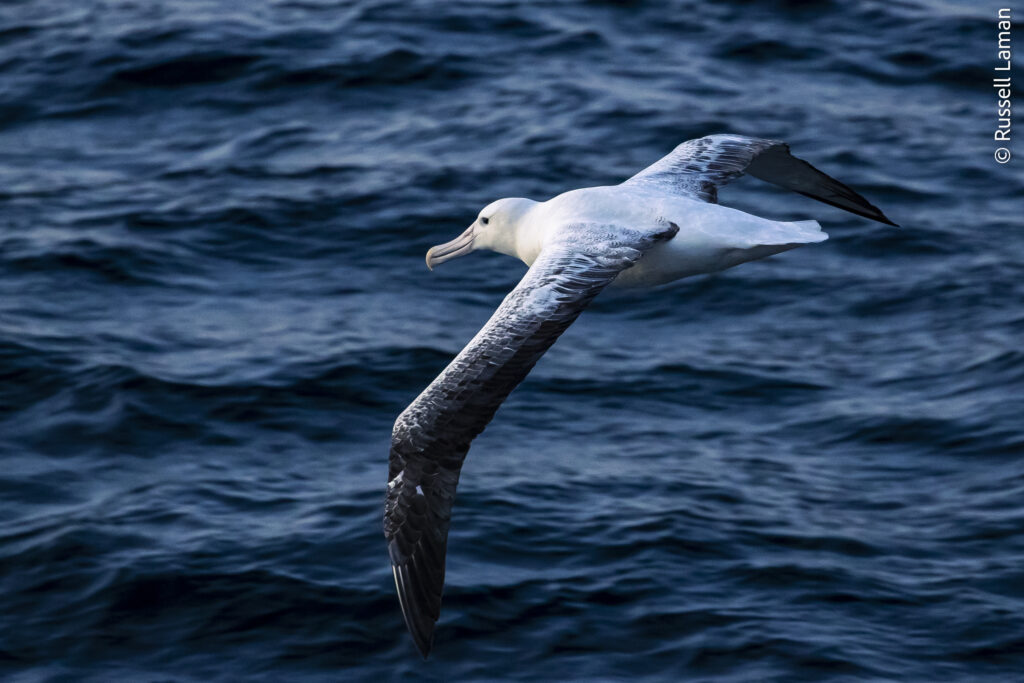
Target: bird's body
x=662, y=224
x=711, y=237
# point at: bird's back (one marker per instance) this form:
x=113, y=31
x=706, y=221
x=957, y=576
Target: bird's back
x=711, y=237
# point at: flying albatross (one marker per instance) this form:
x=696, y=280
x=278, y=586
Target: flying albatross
x=662, y=224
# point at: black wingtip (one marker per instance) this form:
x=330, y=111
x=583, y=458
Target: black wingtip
x=424, y=646
x=422, y=634
x=776, y=165
x=878, y=217
x=864, y=209
x=872, y=212
x=420, y=625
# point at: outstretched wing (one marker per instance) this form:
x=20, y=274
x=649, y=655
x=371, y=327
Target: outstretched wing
x=697, y=168
x=432, y=436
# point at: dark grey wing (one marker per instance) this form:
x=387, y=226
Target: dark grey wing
x=697, y=168
x=432, y=436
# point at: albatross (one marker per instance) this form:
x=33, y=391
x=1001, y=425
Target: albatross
x=662, y=224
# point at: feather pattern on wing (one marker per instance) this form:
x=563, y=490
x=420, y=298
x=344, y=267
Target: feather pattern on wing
x=697, y=168
x=432, y=436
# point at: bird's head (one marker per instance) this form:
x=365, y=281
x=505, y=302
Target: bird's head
x=497, y=228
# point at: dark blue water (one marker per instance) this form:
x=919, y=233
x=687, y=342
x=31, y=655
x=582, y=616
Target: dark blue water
x=214, y=304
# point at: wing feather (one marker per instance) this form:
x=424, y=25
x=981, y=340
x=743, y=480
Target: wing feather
x=697, y=168
x=432, y=436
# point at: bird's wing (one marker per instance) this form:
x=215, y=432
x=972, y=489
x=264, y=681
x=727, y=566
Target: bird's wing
x=697, y=168
x=432, y=436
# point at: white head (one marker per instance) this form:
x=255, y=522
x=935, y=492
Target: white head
x=496, y=228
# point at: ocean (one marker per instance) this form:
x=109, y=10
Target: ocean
x=213, y=305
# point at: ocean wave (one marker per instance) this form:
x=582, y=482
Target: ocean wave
x=214, y=305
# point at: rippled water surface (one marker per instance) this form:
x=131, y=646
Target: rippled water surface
x=213, y=304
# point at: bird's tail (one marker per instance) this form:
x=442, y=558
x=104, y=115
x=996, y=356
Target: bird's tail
x=804, y=232
x=777, y=233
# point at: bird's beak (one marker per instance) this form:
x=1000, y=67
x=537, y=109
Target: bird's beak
x=463, y=244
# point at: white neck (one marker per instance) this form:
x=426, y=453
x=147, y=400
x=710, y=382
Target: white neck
x=516, y=236
x=529, y=237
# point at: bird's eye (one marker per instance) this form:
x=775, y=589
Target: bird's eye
x=484, y=220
